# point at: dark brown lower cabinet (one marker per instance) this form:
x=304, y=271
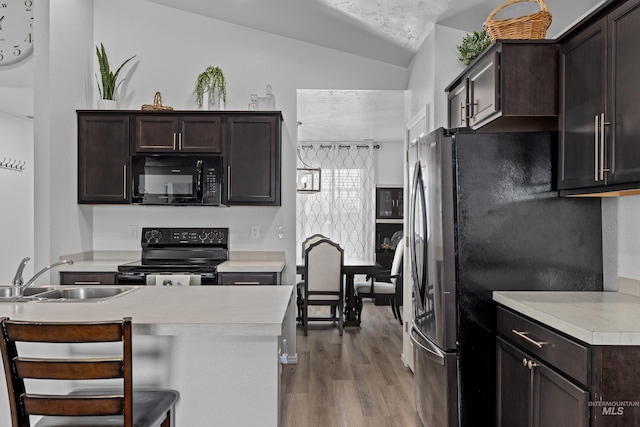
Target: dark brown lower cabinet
x=532, y=394
x=87, y=278
x=247, y=278
x=545, y=378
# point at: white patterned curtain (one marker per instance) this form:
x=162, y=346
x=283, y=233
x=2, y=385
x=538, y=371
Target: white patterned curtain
x=344, y=208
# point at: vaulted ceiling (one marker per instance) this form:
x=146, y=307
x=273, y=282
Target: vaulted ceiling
x=386, y=30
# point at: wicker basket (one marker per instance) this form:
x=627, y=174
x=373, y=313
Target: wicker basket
x=157, y=104
x=532, y=26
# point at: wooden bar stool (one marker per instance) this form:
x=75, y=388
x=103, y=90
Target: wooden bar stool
x=89, y=407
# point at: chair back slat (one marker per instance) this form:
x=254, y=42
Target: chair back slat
x=64, y=332
x=73, y=405
x=24, y=402
x=56, y=369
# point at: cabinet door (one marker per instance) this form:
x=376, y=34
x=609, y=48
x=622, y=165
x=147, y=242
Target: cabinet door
x=458, y=106
x=389, y=203
x=253, y=155
x=624, y=92
x=484, y=86
x=557, y=401
x=513, y=386
x=200, y=134
x=582, y=99
x=156, y=133
x=103, y=158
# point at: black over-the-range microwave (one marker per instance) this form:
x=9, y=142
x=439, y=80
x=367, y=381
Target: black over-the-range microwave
x=176, y=179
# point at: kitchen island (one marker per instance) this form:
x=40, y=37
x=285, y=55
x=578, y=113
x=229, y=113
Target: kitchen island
x=217, y=345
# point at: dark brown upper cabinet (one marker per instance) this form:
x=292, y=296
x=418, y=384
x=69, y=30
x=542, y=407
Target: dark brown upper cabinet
x=253, y=155
x=248, y=141
x=389, y=203
x=599, y=137
x=512, y=86
x=103, y=158
x=197, y=132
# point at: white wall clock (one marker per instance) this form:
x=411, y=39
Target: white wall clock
x=16, y=31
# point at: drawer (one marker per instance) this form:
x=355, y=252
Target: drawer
x=87, y=278
x=247, y=278
x=565, y=354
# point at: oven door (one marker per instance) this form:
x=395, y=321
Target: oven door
x=162, y=180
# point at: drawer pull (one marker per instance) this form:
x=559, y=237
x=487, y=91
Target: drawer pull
x=86, y=283
x=246, y=283
x=524, y=335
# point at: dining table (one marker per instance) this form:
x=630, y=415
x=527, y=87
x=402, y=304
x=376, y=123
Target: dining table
x=350, y=267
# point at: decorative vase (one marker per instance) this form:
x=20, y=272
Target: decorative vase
x=106, y=104
x=214, y=104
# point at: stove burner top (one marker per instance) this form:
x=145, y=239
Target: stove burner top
x=179, y=250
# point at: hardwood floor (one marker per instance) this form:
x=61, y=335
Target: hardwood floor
x=354, y=380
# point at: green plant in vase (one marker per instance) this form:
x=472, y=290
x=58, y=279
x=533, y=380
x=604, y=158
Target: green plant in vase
x=472, y=46
x=109, y=79
x=212, y=83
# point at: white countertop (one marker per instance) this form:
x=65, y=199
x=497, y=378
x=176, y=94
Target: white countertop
x=211, y=310
x=238, y=266
x=596, y=318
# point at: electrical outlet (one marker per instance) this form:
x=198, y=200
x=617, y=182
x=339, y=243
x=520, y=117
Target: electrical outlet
x=281, y=232
x=133, y=231
x=255, y=231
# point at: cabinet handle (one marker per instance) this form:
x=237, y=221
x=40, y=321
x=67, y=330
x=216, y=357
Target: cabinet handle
x=87, y=283
x=597, y=148
x=180, y=141
x=462, y=114
x=603, y=123
x=524, y=335
x=124, y=182
x=228, y=181
x=174, y=141
x=246, y=283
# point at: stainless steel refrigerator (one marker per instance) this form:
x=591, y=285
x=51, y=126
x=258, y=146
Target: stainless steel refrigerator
x=484, y=216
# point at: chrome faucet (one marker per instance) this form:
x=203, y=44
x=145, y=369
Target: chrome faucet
x=18, y=282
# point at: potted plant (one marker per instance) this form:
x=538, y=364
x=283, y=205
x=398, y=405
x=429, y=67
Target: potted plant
x=109, y=79
x=212, y=83
x=472, y=46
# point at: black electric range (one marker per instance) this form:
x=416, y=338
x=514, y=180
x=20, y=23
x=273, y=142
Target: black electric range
x=178, y=251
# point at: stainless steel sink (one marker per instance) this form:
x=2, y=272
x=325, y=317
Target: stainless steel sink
x=5, y=291
x=92, y=293
x=66, y=294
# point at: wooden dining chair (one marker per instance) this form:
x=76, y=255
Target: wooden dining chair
x=305, y=244
x=120, y=406
x=384, y=287
x=322, y=284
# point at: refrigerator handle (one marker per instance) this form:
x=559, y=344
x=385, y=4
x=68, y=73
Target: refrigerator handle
x=432, y=352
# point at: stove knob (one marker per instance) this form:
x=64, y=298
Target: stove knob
x=203, y=235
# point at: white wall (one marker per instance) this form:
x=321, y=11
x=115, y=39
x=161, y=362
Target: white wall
x=62, y=54
x=389, y=164
x=172, y=47
x=433, y=68
x=16, y=190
